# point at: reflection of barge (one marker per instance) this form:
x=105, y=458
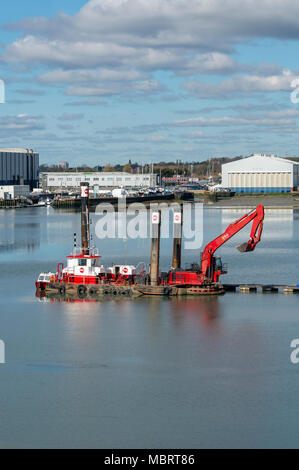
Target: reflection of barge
x=85, y=276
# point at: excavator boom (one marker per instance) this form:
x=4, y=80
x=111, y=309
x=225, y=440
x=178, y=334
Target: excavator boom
x=210, y=269
x=257, y=216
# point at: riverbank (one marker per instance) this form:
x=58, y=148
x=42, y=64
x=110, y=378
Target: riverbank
x=280, y=201
x=13, y=204
x=271, y=201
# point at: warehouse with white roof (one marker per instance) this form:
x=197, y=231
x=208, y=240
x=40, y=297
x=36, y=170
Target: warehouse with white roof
x=261, y=173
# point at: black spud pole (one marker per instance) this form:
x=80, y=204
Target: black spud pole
x=155, y=247
x=85, y=238
x=177, y=238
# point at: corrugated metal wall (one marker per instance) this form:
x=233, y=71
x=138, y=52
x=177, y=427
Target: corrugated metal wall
x=14, y=165
x=260, y=182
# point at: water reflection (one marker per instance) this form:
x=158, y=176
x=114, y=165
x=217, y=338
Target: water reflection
x=204, y=310
x=276, y=221
x=17, y=236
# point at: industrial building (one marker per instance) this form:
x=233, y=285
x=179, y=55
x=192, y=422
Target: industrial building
x=14, y=192
x=96, y=180
x=64, y=165
x=19, y=166
x=179, y=180
x=261, y=173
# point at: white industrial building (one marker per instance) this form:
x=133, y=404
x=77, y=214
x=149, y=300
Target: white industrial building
x=96, y=180
x=261, y=173
x=14, y=192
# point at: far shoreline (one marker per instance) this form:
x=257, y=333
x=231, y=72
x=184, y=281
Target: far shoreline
x=270, y=201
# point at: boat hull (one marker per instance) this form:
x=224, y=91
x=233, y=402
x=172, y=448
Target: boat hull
x=41, y=285
x=113, y=290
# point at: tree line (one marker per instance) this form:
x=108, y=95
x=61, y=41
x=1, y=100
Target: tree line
x=210, y=167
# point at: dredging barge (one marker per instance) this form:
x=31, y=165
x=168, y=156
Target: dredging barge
x=85, y=276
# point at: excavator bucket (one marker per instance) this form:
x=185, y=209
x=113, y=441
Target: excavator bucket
x=245, y=247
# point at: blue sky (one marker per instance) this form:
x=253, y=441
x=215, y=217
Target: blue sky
x=111, y=80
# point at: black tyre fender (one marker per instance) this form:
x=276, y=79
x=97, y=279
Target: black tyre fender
x=61, y=290
x=82, y=290
x=93, y=291
x=115, y=292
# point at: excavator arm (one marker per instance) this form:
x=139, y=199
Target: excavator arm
x=256, y=231
x=257, y=216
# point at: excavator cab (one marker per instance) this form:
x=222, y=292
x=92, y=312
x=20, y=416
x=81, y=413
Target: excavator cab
x=218, y=268
x=218, y=264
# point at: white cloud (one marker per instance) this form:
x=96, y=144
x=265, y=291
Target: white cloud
x=114, y=88
x=21, y=123
x=71, y=117
x=100, y=82
x=85, y=75
x=205, y=24
x=114, y=47
x=30, y=91
x=268, y=119
x=32, y=49
x=191, y=36
x=212, y=63
x=88, y=102
x=242, y=84
x=197, y=133
x=147, y=85
x=157, y=138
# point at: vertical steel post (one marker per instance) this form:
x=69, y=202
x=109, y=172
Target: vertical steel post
x=85, y=237
x=155, y=247
x=177, y=238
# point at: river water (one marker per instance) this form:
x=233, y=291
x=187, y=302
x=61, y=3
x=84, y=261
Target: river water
x=148, y=373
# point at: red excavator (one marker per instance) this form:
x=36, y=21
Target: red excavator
x=211, y=267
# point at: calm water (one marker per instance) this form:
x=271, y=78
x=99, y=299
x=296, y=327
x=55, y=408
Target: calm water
x=153, y=373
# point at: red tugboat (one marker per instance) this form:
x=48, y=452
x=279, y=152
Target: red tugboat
x=85, y=276
x=84, y=271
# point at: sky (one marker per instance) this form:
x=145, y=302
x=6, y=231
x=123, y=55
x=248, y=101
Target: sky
x=107, y=81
